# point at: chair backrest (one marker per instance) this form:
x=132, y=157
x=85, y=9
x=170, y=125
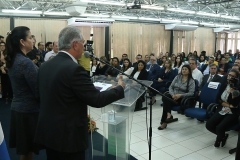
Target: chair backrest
x=196, y=88
x=209, y=95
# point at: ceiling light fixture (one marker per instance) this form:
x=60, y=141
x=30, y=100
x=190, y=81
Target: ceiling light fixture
x=104, y=2
x=94, y=15
x=230, y=17
x=57, y=13
x=149, y=19
x=190, y=22
x=169, y=21
x=152, y=7
x=208, y=14
x=181, y=10
x=207, y=24
x=21, y=11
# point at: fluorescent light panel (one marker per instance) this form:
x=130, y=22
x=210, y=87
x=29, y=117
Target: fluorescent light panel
x=190, y=22
x=230, y=17
x=21, y=11
x=94, y=15
x=104, y=2
x=181, y=10
x=149, y=19
x=207, y=24
x=151, y=7
x=208, y=14
x=169, y=20
x=56, y=13
x=128, y=17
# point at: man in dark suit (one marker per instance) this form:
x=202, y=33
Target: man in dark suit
x=212, y=77
x=138, y=57
x=153, y=69
x=206, y=67
x=65, y=91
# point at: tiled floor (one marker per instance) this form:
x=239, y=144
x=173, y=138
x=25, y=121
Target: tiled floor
x=186, y=139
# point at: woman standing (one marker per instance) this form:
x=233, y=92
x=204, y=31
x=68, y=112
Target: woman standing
x=182, y=86
x=228, y=99
x=140, y=73
x=25, y=104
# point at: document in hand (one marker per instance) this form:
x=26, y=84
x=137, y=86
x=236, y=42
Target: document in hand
x=101, y=86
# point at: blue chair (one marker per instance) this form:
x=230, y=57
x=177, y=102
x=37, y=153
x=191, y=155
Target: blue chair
x=185, y=101
x=208, y=96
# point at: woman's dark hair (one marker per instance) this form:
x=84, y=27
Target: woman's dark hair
x=216, y=58
x=13, y=43
x=235, y=71
x=92, y=63
x=189, y=75
x=183, y=55
x=180, y=63
x=169, y=62
x=124, y=68
x=196, y=55
x=200, y=58
x=116, y=59
x=144, y=64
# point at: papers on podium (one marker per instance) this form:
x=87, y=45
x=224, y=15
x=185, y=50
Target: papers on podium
x=101, y=86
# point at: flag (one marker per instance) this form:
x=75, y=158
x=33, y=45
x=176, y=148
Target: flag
x=3, y=148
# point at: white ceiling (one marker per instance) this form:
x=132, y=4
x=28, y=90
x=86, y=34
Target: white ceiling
x=221, y=12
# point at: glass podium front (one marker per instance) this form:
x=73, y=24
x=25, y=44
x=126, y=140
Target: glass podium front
x=115, y=122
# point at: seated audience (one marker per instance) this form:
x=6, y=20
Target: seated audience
x=101, y=67
x=111, y=72
x=166, y=75
x=93, y=66
x=124, y=56
x=147, y=59
x=227, y=112
x=126, y=68
x=140, y=73
x=218, y=58
x=52, y=53
x=196, y=74
x=178, y=63
x=182, y=86
x=223, y=67
x=138, y=57
x=164, y=58
x=205, y=68
x=154, y=69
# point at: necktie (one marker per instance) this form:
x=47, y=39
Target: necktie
x=210, y=79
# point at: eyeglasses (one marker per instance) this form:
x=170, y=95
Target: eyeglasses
x=153, y=60
x=230, y=75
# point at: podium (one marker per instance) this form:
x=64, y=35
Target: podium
x=115, y=122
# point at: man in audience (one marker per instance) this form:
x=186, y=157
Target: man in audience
x=237, y=61
x=196, y=74
x=147, y=59
x=41, y=51
x=228, y=59
x=65, y=91
x=153, y=69
x=138, y=57
x=124, y=56
x=212, y=77
x=49, y=46
x=2, y=46
x=206, y=67
x=237, y=54
x=223, y=67
x=1, y=38
x=52, y=53
x=235, y=66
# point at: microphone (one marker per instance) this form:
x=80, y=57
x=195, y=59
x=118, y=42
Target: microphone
x=86, y=54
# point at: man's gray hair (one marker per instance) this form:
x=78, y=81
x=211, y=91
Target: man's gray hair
x=67, y=36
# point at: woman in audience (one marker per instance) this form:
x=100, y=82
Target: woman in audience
x=195, y=55
x=6, y=86
x=93, y=66
x=25, y=104
x=166, y=75
x=228, y=99
x=218, y=58
x=111, y=72
x=202, y=60
x=178, y=63
x=140, y=73
x=126, y=68
x=182, y=86
x=164, y=58
x=223, y=67
x=173, y=59
x=101, y=67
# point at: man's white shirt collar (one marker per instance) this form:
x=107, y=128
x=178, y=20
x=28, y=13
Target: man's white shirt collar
x=70, y=56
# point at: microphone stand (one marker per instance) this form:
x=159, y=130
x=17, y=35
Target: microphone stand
x=144, y=85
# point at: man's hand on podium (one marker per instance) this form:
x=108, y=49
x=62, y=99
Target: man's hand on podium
x=120, y=82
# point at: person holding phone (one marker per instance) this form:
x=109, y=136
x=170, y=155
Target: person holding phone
x=228, y=99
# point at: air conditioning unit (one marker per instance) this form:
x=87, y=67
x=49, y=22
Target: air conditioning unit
x=180, y=27
x=93, y=22
x=225, y=30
